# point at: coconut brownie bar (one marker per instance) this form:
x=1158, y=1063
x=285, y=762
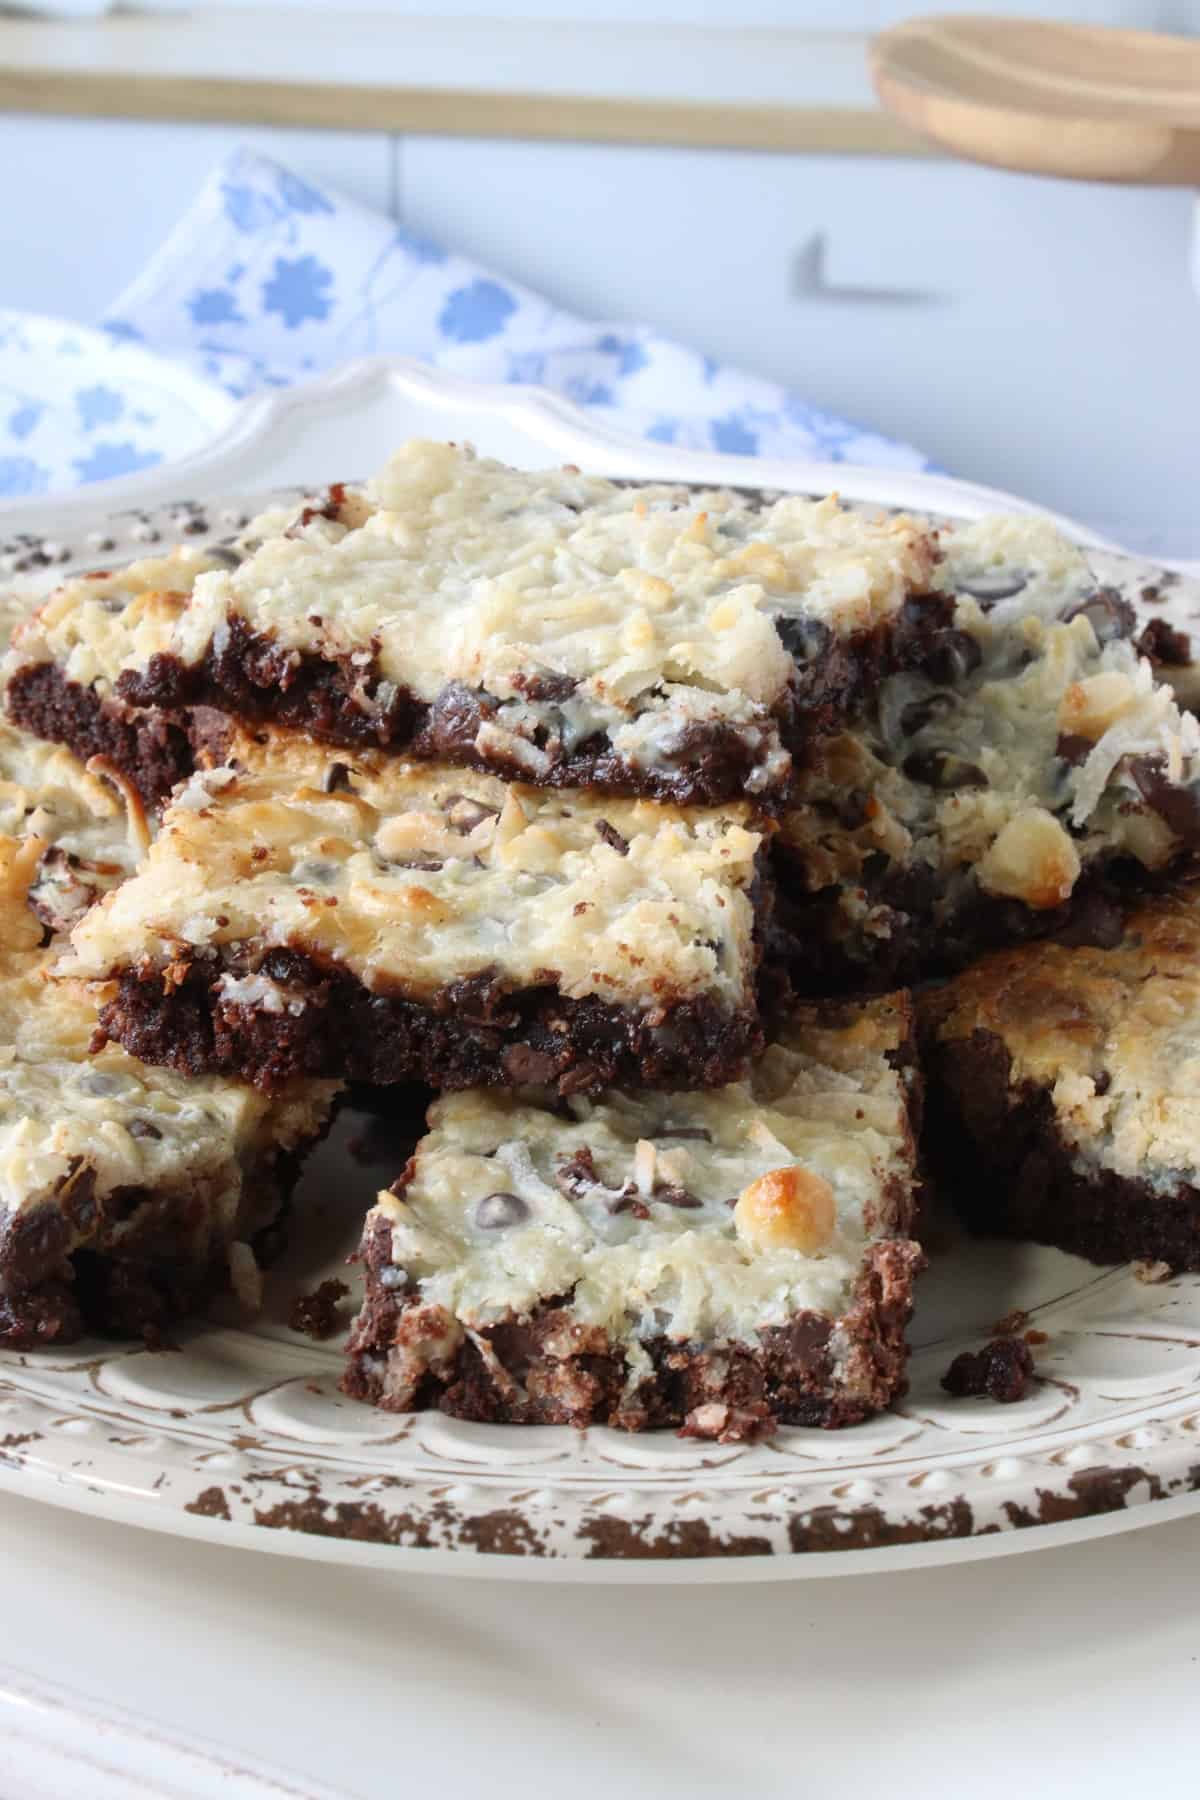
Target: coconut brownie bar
x=1066, y=1090
x=553, y=627
x=77, y=831
x=725, y=1262
x=378, y=920
x=992, y=792
x=59, y=671
x=128, y=1196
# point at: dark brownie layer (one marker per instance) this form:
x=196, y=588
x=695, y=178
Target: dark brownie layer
x=1001, y=1156
x=908, y=942
x=153, y=749
x=146, y=730
x=141, y=1270
x=555, y=1372
x=254, y=679
x=473, y=1033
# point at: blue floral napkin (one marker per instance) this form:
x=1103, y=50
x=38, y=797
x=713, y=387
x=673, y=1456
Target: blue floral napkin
x=268, y=280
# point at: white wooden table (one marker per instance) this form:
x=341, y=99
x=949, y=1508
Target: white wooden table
x=1056, y=1673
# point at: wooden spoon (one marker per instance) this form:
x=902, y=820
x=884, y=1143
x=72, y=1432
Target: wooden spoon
x=1080, y=101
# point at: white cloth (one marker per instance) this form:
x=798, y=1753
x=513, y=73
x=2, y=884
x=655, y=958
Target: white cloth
x=269, y=279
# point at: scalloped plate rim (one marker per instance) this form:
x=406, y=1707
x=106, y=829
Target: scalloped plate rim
x=404, y=1560
x=562, y=426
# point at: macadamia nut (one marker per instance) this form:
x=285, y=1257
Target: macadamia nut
x=786, y=1209
x=1032, y=860
x=1088, y=708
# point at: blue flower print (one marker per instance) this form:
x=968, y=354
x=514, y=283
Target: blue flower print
x=20, y=475
x=247, y=209
x=629, y=354
x=663, y=431
x=526, y=365
x=123, y=331
x=295, y=290
x=586, y=392
x=114, y=459
x=25, y=419
x=730, y=435
x=477, y=312
x=214, y=306
x=421, y=249
x=98, y=405
x=298, y=197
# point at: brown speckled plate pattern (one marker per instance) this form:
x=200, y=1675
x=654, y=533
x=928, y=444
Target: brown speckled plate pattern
x=240, y=1433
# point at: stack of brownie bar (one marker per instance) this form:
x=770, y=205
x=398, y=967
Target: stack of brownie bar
x=625, y=816
x=129, y=1195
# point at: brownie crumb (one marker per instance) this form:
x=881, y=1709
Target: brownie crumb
x=1001, y=1371
x=318, y=1314
x=1012, y=1324
x=1152, y=1272
x=1162, y=642
x=155, y=1339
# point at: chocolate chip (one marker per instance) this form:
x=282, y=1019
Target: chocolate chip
x=575, y=1174
x=803, y=638
x=988, y=589
x=1073, y=749
x=59, y=897
x=544, y=685
x=464, y=815
x=613, y=837
x=524, y=1065
x=1096, y=921
x=337, y=779
x=1162, y=643
x=498, y=1212
x=320, y=872
x=1109, y=614
x=852, y=810
x=102, y=1085
x=142, y=1128
x=677, y=1196
x=921, y=713
x=951, y=657
x=923, y=614
x=1178, y=807
x=943, y=770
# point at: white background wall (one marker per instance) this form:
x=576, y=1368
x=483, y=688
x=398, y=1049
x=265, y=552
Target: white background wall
x=808, y=15
x=1035, y=334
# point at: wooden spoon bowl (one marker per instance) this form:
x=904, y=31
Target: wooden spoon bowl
x=1080, y=101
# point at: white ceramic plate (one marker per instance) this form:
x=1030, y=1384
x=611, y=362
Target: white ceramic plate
x=242, y=1434
x=78, y=405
